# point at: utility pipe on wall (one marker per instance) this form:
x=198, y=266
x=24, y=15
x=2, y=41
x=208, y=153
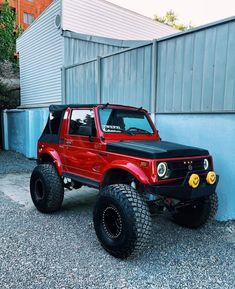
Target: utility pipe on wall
x=18, y=8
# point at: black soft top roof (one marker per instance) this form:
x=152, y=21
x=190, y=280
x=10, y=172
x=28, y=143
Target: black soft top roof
x=62, y=107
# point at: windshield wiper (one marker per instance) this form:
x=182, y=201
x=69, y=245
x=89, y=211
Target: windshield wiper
x=130, y=130
x=110, y=130
x=136, y=129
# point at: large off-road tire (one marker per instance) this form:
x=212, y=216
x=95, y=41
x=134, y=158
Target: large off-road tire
x=122, y=221
x=46, y=188
x=198, y=213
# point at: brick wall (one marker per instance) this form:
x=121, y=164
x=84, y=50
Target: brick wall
x=27, y=10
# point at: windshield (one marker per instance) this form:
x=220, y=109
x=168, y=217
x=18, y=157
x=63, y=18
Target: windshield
x=124, y=121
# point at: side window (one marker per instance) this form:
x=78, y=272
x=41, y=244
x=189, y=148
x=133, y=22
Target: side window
x=82, y=123
x=53, y=124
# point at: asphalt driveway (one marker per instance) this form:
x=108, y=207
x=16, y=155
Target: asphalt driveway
x=61, y=250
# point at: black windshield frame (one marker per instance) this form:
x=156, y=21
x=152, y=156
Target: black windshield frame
x=142, y=112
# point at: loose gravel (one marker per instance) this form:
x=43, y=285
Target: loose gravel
x=13, y=162
x=61, y=251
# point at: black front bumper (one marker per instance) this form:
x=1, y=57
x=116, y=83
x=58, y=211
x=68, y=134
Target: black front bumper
x=183, y=191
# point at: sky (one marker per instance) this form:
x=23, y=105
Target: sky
x=199, y=12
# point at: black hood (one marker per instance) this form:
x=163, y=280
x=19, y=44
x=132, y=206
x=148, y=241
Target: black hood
x=154, y=149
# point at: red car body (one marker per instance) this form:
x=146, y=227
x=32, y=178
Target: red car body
x=87, y=160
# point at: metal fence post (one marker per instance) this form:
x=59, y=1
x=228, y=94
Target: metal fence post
x=154, y=80
x=5, y=128
x=63, y=83
x=98, y=75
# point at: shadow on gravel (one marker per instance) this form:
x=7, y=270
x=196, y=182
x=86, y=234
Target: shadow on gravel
x=77, y=200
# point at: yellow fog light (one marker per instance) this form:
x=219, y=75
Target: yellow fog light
x=194, y=181
x=211, y=178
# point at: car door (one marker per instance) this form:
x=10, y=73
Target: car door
x=80, y=146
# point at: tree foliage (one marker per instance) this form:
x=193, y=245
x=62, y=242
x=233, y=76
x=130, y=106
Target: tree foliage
x=171, y=19
x=9, y=32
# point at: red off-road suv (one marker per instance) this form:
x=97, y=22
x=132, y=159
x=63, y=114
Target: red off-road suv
x=118, y=150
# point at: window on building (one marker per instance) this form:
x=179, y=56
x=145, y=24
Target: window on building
x=28, y=18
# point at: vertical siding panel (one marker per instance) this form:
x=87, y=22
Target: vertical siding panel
x=229, y=96
x=133, y=82
x=133, y=75
x=178, y=73
x=140, y=76
x=220, y=67
x=102, y=76
x=81, y=84
x=124, y=81
x=147, y=77
x=109, y=67
x=198, y=60
x=161, y=76
x=204, y=69
x=78, y=50
x=115, y=81
x=169, y=80
x=187, y=73
x=127, y=74
x=120, y=75
x=208, y=73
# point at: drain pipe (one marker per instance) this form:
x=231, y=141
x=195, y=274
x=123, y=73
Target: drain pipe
x=19, y=11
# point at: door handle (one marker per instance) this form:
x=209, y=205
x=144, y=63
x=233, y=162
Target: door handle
x=68, y=142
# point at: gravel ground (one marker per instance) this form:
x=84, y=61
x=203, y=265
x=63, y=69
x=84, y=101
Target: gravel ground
x=12, y=162
x=60, y=251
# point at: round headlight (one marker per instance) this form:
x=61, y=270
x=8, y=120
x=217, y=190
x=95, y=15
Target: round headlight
x=206, y=164
x=162, y=169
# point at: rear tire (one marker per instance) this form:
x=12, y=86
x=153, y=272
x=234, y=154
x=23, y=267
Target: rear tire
x=198, y=213
x=46, y=188
x=122, y=221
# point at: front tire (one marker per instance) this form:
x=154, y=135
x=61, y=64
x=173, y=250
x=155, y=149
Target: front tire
x=46, y=188
x=198, y=213
x=122, y=221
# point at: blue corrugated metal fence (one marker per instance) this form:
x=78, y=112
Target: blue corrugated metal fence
x=194, y=73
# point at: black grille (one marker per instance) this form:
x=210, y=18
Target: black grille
x=179, y=169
